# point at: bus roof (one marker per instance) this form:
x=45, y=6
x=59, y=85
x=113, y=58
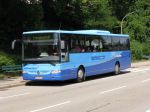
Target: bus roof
x=87, y=32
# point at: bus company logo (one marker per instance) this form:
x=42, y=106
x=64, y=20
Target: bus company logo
x=97, y=57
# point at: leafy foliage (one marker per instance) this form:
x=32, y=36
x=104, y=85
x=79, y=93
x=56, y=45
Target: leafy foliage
x=64, y=14
x=138, y=27
x=6, y=59
x=146, y=48
x=17, y=16
x=98, y=15
x=121, y=7
x=137, y=50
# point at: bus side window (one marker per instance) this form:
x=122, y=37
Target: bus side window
x=124, y=43
x=95, y=45
x=128, y=44
x=116, y=43
x=107, y=44
x=76, y=49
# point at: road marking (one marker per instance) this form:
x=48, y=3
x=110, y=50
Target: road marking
x=148, y=111
x=132, y=69
x=51, y=106
x=14, y=96
x=140, y=70
x=112, y=90
x=145, y=80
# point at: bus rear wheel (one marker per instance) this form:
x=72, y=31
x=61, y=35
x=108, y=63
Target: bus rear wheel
x=117, y=69
x=80, y=75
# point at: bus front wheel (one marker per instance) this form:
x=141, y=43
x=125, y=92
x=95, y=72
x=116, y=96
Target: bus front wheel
x=117, y=69
x=80, y=75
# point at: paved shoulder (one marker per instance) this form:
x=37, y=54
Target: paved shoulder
x=11, y=82
x=138, y=64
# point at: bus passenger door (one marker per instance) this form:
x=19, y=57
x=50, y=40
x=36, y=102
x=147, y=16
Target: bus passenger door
x=64, y=51
x=67, y=67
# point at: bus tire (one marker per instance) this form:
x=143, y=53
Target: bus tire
x=117, y=69
x=80, y=75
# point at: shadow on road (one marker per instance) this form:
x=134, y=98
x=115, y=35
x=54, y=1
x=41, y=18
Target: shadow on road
x=49, y=83
x=69, y=82
x=105, y=75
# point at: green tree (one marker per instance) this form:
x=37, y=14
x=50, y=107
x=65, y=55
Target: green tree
x=121, y=7
x=98, y=15
x=136, y=50
x=137, y=25
x=17, y=16
x=63, y=13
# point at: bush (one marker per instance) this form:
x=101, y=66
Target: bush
x=137, y=50
x=146, y=48
x=6, y=59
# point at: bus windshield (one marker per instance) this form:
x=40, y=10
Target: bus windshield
x=41, y=47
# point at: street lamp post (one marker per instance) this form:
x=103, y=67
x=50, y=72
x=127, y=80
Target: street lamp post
x=123, y=20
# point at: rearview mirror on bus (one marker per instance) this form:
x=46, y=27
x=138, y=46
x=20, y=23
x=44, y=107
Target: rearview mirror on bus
x=62, y=45
x=13, y=43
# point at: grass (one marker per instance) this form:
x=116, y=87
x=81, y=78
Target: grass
x=2, y=76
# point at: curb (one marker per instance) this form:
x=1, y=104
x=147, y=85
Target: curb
x=134, y=65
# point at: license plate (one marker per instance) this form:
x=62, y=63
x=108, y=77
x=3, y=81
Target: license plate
x=38, y=77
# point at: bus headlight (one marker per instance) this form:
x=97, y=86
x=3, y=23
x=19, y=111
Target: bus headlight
x=55, y=71
x=24, y=72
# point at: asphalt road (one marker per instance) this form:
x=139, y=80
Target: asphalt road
x=127, y=92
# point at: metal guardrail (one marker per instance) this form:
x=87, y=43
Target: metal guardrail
x=11, y=68
x=146, y=56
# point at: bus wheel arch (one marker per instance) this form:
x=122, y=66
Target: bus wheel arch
x=117, y=68
x=80, y=74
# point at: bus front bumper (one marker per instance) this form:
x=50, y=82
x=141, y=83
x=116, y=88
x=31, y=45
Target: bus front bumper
x=48, y=77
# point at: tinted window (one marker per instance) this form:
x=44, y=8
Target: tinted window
x=93, y=44
x=107, y=44
x=75, y=42
x=82, y=43
x=116, y=43
x=128, y=44
x=124, y=43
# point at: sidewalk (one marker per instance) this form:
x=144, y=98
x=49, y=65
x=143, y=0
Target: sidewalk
x=138, y=64
x=18, y=81
x=11, y=82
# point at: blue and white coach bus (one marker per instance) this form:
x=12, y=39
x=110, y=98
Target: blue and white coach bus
x=57, y=55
